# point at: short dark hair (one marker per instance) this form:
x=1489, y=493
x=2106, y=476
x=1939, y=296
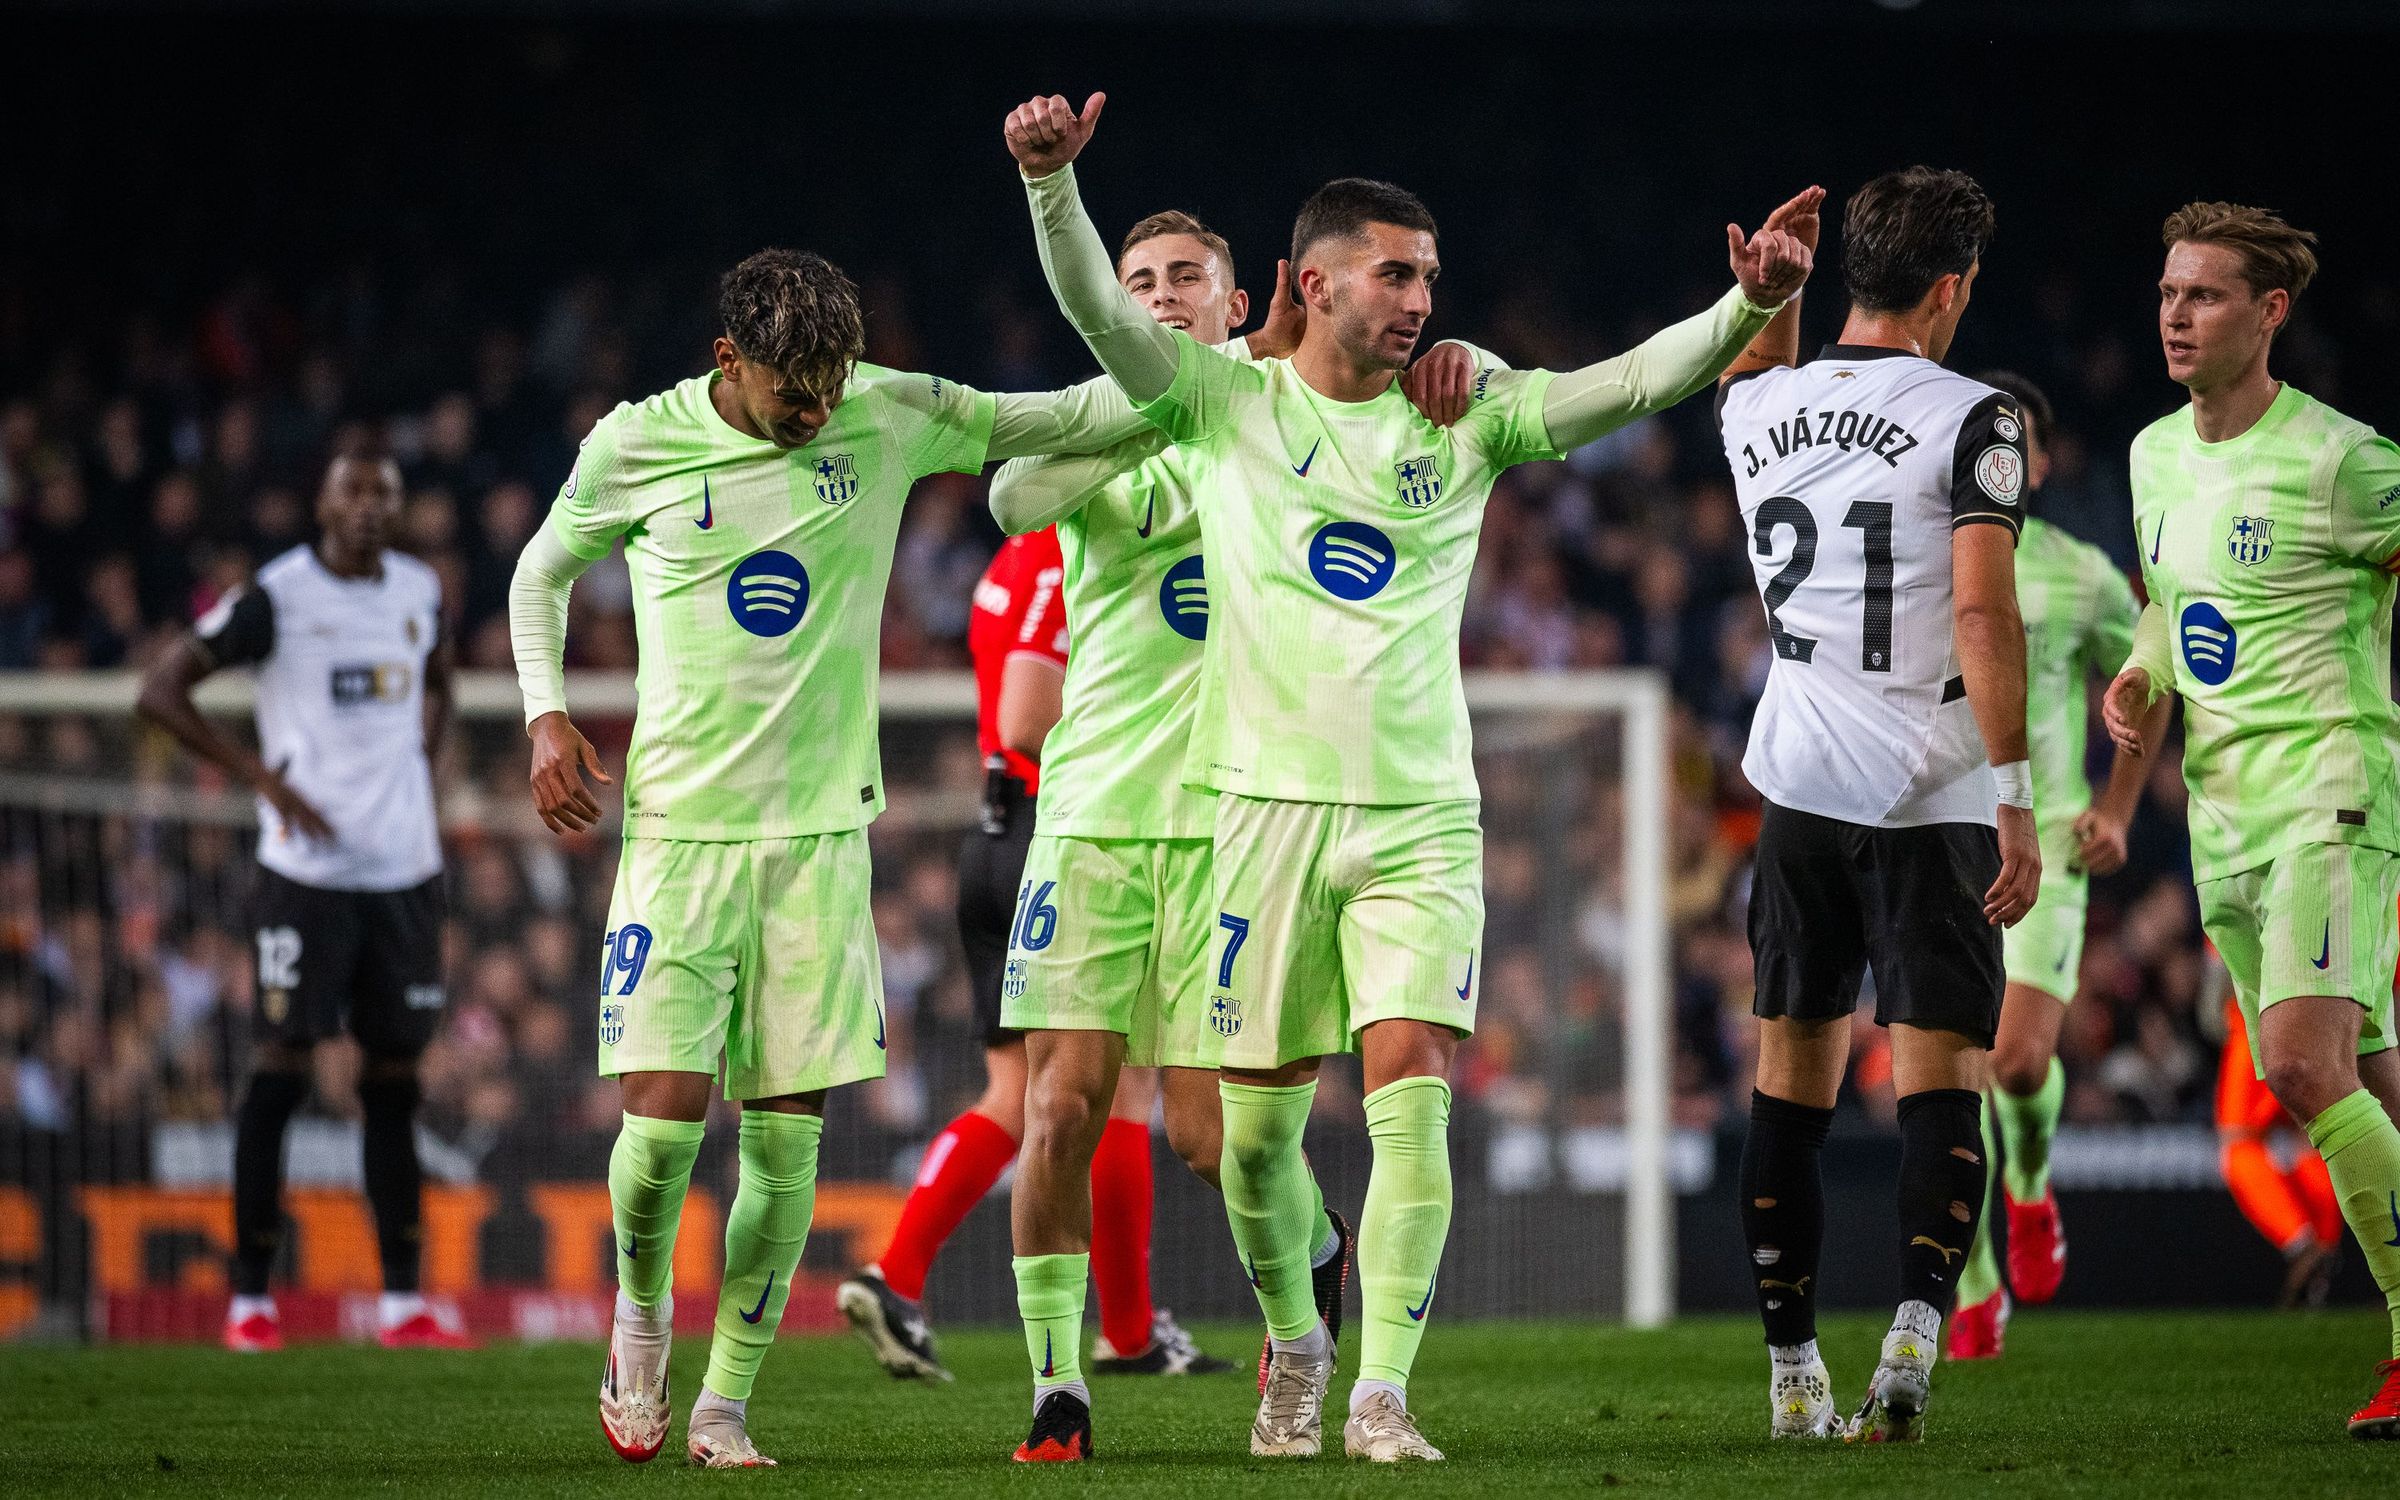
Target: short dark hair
x=796, y=314
x=1176, y=221
x=1347, y=205
x=2026, y=394
x=2275, y=256
x=1908, y=229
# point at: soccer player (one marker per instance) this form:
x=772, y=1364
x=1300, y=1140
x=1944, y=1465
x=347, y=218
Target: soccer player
x=2079, y=613
x=2270, y=527
x=1340, y=527
x=1883, y=496
x=1017, y=635
x=1108, y=969
x=758, y=505
x=353, y=698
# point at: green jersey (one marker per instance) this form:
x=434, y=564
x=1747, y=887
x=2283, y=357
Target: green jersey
x=1136, y=596
x=758, y=582
x=2079, y=615
x=1340, y=539
x=2267, y=558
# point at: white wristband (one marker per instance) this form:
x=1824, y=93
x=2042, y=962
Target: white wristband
x=2016, y=784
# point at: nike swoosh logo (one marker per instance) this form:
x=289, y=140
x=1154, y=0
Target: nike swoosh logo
x=1049, y=1365
x=708, y=511
x=879, y=1028
x=1250, y=1270
x=2395, y=1239
x=1461, y=991
x=2156, y=537
x=2325, y=952
x=1416, y=1314
x=760, y=1311
x=1143, y=530
x=1301, y=468
x=632, y=1253
x=2061, y=966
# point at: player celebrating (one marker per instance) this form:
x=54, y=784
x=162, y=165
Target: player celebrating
x=1018, y=638
x=353, y=697
x=2269, y=536
x=2079, y=613
x=1122, y=845
x=1332, y=719
x=759, y=506
x=1883, y=495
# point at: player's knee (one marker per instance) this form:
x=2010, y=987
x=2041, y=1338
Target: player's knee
x=2020, y=1070
x=1198, y=1143
x=1061, y=1120
x=2308, y=1085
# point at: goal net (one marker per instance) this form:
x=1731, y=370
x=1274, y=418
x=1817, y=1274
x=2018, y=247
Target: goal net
x=126, y=1024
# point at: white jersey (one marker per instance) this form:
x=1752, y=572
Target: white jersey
x=1852, y=471
x=341, y=713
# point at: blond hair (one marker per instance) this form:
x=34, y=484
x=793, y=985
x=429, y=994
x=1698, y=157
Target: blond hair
x=1176, y=221
x=2275, y=256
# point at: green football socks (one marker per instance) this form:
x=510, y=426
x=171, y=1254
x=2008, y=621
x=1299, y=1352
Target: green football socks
x=649, y=1170
x=764, y=1235
x=2027, y=1122
x=1271, y=1202
x=1405, y=1224
x=2361, y=1148
x=1050, y=1295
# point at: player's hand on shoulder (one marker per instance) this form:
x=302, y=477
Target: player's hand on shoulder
x=2123, y=706
x=561, y=758
x=2099, y=842
x=1441, y=384
x=2012, y=895
x=1046, y=133
x=1771, y=265
x=1287, y=319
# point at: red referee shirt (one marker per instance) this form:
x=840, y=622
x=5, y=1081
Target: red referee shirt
x=1017, y=613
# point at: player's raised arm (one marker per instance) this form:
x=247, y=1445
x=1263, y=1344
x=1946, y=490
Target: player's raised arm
x=1045, y=136
x=1779, y=342
x=1589, y=403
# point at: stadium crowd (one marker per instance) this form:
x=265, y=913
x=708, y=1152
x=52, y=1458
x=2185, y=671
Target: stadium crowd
x=146, y=468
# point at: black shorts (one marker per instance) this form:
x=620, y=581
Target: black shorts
x=368, y=962
x=1833, y=899
x=990, y=866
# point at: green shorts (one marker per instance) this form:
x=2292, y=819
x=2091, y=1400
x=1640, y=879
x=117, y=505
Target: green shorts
x=2045, y=950
x=1112, y=935
x=1332, y=917
x=2316, y=920
x=754, y=961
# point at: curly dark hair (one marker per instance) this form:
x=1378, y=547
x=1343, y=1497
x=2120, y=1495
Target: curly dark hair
x=1907, y=230
x=796, y=314
x=1347, y=205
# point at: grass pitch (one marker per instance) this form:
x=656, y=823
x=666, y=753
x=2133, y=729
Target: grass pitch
x=2084, y=1404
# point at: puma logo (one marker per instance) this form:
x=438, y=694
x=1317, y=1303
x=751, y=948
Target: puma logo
x=1930, y=1242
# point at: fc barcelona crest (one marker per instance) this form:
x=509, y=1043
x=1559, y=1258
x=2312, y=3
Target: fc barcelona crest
x=2252, y=538
x=836, y=476
x=1420, y=481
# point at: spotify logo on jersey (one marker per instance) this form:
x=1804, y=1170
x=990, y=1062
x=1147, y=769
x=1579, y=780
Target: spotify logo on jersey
x=1183, y=599
x=2207, y=642
x=768, y=593
x=1351, y=560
